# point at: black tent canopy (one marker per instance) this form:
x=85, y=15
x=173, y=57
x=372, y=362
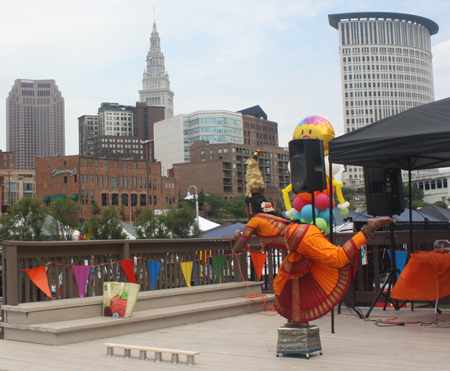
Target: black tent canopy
x=418, y=138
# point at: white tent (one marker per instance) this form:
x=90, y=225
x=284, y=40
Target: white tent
x=206, y=225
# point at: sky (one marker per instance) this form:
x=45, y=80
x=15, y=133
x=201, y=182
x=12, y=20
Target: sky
x=229, y=55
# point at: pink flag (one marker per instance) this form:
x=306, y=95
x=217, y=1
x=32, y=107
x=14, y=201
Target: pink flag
x=81, y=275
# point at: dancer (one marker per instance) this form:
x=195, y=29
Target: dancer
x=315, y=275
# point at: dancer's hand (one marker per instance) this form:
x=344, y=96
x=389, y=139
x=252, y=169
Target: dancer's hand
x=237, y=236
x=376, y=224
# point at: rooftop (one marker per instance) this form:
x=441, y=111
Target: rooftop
x=432, y=26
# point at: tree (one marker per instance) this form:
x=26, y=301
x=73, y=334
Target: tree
x=348, y=193
x=236, y=206
x=24, y=221
x=417, y=193
x=216, y=202
x=148, y=225
x=440, y=204
x=417, y=204
x=96, y=210
x=181, y=223
x=108, y=227
x=65, y=213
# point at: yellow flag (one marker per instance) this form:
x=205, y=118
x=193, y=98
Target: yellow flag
x=186, y=267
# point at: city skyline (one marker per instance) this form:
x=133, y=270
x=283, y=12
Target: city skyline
x=283, y=57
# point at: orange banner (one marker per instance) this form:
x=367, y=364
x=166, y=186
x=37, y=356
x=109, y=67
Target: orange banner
x=39, y=277
x=258, y=259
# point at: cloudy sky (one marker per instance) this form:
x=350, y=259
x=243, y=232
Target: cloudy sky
x=230, y=55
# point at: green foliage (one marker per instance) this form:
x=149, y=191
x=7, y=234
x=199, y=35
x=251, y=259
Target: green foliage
x=348, y=193
x=236, y=206
x=148, y=225
x=440, y=204
x=215, y=202
x=417, y=193
x=416, y=204
x=181, y=223
x=65, y=213
x=24, y=221
x=96, y=210
x=108, y=227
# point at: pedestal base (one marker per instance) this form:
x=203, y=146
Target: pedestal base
x=298, y=340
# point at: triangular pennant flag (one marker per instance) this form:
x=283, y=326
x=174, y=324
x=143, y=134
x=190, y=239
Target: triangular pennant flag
x=154, y=268
x=258, y=259
x=81, y=275
x=39, y=277
x=218, y=262
x=127, y=266
x=186, y=267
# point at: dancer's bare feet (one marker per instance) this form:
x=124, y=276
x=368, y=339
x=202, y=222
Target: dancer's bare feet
x=376, y=224
x=296, y=324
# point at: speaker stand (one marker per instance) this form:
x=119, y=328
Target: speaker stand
x=390, y=281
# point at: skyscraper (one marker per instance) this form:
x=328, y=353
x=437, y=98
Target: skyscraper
x=386, y=68
x=34, y=121
x=155, y=82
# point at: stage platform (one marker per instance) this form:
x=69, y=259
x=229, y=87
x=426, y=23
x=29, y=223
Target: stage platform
x=249, y=342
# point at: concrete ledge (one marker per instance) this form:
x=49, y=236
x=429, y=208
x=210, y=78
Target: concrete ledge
x=75, y=320
x=79, y=308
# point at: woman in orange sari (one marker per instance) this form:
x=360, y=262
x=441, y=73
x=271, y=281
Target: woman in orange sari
x=315, y=275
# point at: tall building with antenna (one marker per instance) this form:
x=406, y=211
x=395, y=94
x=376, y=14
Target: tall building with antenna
x=155, y=82
x=386, y=68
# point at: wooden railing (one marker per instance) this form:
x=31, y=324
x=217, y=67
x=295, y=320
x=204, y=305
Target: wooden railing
x=104, y=257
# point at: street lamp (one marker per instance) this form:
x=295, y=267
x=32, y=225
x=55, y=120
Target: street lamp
x=190, y=197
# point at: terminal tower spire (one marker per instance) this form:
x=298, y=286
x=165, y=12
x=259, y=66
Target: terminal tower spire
x=155, y=82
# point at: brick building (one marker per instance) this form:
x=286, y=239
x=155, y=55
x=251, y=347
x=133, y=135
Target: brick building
x=220, y=168
x=257, y=130
x=128, y=184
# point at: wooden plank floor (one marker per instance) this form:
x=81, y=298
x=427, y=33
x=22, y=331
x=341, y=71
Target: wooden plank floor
x=248, y=342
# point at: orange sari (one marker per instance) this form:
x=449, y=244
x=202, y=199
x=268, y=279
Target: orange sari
x=315, y=275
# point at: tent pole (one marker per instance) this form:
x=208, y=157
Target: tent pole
x=410, y=209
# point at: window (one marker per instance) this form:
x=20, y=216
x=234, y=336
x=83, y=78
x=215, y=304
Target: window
x=154, y=184
x=143, y=199
x=106, y=181
x=104, y=199
x=106, y=166
x=115, y=199
x=124, y=199
x=155, y=200
x=133, y=200
x=65, y=179
x=114, y=183
x=101, y=180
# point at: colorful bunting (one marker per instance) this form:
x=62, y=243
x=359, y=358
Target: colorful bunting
x=127, y=266
x=186, y=267
x=154, y=268
x=258, y=259
x=81, y=275
x=39, y=277
x=217, y=263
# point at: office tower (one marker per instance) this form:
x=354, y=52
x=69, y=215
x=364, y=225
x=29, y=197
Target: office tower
x=88, y=130
x=34, y=121
x=155, y=82
x=386, y=68
x=174, y=136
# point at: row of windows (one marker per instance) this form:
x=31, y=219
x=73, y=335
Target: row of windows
x=124, y=183
x=433, y=184
x=213, y=120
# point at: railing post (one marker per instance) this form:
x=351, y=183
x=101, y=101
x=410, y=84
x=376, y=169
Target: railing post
x=10, y=275
x=124, y=255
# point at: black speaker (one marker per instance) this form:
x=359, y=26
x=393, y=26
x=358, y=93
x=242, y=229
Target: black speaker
x=307, y=165
x=384, y=191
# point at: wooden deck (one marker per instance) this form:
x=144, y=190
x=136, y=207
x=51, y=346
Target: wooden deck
x=248, y=342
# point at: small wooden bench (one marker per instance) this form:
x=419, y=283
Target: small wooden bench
x=158, y=352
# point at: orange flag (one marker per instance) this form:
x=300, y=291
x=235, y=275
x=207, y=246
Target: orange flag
x=127, y=266
x=39, y=277
x=258, y=259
